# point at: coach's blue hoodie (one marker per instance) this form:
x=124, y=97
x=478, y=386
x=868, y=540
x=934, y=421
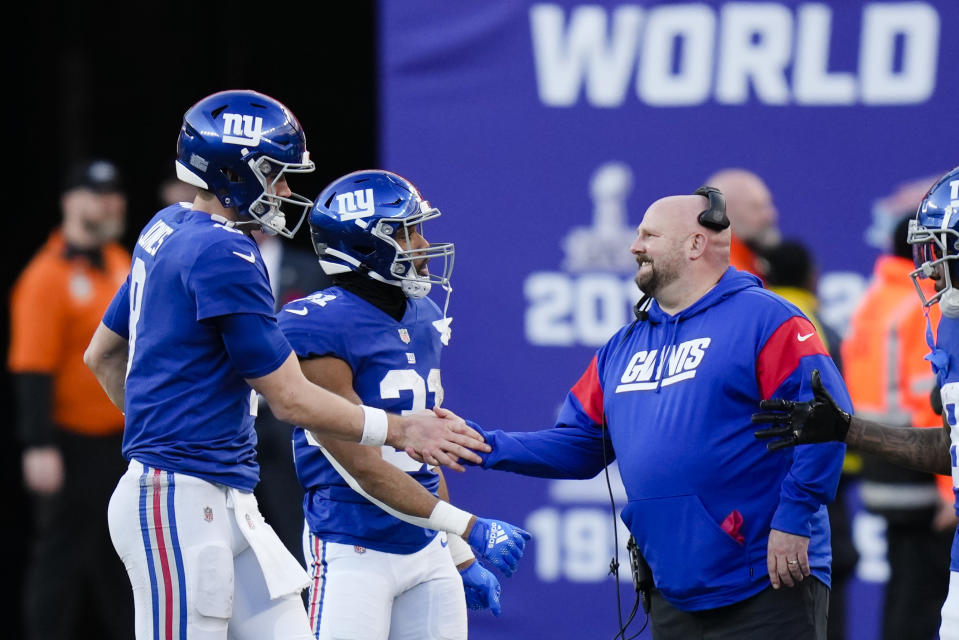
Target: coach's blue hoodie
x=702, y=491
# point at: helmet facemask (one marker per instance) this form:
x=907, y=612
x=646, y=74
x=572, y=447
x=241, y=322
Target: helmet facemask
x=404, y=267
x=933, y=250
x=267, y=209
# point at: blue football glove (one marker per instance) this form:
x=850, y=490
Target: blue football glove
x=500, y=543
x=482, y=588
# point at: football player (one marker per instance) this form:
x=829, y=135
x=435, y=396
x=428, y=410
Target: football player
x=185, y=345
x=375, y=338
x=934, y=235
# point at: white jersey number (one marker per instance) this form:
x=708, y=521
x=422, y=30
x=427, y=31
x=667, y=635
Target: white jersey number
x=138, y=277
x=395, y=381
x=391, y=385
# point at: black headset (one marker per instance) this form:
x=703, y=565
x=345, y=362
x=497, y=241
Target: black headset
x=715, y=216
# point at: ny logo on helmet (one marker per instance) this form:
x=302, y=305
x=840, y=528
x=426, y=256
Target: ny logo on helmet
x=356, y=205
x=242, y=129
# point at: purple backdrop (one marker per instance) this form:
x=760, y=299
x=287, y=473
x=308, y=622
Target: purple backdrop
x=544, y=130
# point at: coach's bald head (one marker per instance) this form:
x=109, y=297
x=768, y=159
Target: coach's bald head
x=679, y=259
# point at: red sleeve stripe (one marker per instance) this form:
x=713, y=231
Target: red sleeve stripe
x=589, y=392
x=781, y=354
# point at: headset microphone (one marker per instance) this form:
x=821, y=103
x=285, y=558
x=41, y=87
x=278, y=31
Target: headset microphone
x=641, y=308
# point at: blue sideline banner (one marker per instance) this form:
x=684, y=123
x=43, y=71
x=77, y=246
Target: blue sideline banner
x=543, y=130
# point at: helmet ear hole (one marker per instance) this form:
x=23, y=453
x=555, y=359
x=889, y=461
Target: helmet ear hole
x=231, y=176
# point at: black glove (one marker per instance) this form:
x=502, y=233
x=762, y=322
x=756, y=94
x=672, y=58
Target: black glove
x=818, y=420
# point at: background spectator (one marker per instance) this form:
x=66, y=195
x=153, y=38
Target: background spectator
x=75, y=585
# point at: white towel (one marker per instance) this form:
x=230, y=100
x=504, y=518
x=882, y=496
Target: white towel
x=284, y=575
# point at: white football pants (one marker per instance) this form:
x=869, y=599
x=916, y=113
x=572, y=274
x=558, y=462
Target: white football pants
x=950, y=610
x=361, y=594
x=193, y=572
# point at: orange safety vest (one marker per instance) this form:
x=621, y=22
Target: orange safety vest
x=742, y=257
x=883, y=352
x=56, y=305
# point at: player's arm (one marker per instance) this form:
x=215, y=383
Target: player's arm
x=395, y=491
x=577, y=447
x=233, y=294
x=822, y=420
x=366, y=465
x=106, y=356
x=426, y=436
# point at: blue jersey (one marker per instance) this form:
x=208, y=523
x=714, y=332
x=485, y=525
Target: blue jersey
x=396, y=367
x=674, y=395
x=945, y=363
x=188, y=408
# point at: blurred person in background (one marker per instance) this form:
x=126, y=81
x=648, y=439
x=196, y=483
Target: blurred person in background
x=891, y=382
x=791, y=272
x=752, y=215
x=75, y=586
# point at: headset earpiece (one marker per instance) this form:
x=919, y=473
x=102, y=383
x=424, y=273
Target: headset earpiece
x=713, y=217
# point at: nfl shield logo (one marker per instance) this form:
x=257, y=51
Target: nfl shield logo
x=208, y=514
x=357, y=548
x=404, y=335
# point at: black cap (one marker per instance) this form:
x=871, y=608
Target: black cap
x=98, y=175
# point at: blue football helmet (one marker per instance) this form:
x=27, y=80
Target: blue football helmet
x=934, y=236
x=357, y=222
x=238, y=145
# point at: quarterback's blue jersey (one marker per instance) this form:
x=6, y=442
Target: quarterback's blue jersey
x=396, y=367
x=188, y=408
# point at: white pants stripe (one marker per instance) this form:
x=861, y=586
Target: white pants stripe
x=193, y=572
x=318, y=555
x=162, y=550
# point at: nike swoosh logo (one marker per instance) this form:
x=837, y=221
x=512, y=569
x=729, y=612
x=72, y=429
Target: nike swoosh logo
x=803, y=338
x=444, y=542
x=249, y=258
x=299, y=312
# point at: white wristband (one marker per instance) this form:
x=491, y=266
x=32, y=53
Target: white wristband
x=375, y=425
x=446, y=517
x=460, y=551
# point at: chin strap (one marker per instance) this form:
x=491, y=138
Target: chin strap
x=949, y=303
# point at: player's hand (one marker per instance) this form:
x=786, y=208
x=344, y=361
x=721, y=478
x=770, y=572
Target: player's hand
x=439, y=437
x=787, y=558
x=817, y=420
x=481, y=587
x=43, y=469
x=500, y=543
